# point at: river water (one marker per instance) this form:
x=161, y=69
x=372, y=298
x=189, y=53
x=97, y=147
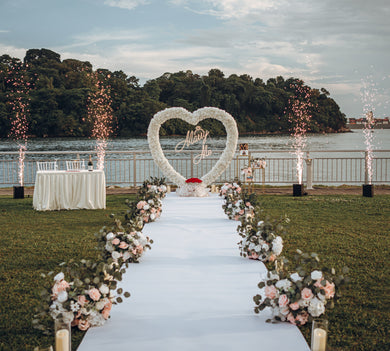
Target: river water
x=353, y=141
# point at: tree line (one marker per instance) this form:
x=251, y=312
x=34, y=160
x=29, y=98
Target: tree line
x=58, y=99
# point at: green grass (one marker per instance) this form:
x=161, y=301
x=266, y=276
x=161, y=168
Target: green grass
x=343, y=230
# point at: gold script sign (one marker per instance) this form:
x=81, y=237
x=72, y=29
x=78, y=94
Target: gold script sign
x=193, y=137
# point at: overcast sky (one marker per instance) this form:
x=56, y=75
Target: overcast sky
x=341, y=45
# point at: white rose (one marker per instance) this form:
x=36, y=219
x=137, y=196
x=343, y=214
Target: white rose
x=100, y=305
x=110, y=236
x=303, y=303
x=62, y=296
x=109, y=247
x=316, y=275
x=152, y=216
x=59, y=277
x=115, y=255
x=295, y=277
x=251, y=246
x=316, y=307
x=257, y=248
x=146, y=207
x=126, y=256
x=104, y=289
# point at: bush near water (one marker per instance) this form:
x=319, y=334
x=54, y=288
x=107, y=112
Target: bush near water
x=59, y=99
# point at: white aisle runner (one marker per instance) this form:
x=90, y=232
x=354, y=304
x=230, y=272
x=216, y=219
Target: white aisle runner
x=192, y=291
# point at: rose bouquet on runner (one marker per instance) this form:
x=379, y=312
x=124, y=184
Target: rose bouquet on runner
x=82, y=293
x=261, y=240
x=239, y=207
x=299, y=292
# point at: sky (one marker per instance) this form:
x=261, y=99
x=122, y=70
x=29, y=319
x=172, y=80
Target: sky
x=340, y=45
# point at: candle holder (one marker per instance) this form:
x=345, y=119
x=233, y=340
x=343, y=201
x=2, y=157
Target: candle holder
x=319, y=334
x=63, y=337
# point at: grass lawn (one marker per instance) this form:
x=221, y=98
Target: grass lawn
x=343, y=230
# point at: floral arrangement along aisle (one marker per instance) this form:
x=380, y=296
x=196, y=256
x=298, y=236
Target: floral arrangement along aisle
x=82, y=293
x=260, y=239
x=239, y=206
x=193, y=187
x=298, y=292
x=125, y=244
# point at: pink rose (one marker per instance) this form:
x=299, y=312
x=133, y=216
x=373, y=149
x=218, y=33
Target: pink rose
x=116, y=241
x=123, y=245
x=272, y=258
x=140, y=249
x=329, y=290
x=146, y=219
x=302, y=318
x=307, y=294
x=236, y=218
x=241, y=212
x=106, y=310
x=141, y=204
x=294, y=306
x=290, y=318
x=153, y=210
x=59, y=286
x=247, y=204
x=81, y=300
x=83, y=325
x=283, y=300
x=270, y=291
x=94, y=294
x=142, y=211
x=253, y=256
x=318, y=284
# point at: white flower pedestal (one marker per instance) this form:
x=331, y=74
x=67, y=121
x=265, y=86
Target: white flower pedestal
x=192, y=189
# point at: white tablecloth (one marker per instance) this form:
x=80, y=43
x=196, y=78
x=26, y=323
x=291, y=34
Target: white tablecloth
x=192, y=291
x=57, y=190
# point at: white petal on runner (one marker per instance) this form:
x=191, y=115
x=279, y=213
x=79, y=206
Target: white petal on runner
x=192, y=291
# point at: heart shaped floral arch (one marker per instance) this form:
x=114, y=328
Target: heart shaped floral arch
x=193, y=118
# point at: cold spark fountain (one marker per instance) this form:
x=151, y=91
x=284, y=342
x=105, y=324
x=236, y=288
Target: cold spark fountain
x=299, y=116
x=368, y=94
x=19, y=87
x=100, y=112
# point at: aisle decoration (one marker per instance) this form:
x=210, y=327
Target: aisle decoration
x=192, y=118
x=193, y=187
x=239, y=207
x=260, y=239
x=82, y=294
x=123, y=245
x=155, y=187
x=299, y=291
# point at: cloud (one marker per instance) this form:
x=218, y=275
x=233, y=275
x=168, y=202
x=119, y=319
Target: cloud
x=125, y=4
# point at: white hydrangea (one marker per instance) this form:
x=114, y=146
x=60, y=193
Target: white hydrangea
x=316, y=275
x=110, y=236
x=104, y=289
x=60, y=276
x=316, y=307
x=277, y=245
x=283, y=284
x=96, y=319
x=62, y=296
x=295, y=277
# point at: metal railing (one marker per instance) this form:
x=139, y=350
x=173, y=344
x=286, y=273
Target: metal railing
x=128, y=168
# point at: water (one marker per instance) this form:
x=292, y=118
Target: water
x=270, y=143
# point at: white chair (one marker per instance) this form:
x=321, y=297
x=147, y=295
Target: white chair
x=75, y=165
x=47, y=166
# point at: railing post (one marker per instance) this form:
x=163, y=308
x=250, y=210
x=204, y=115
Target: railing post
x=309, y=172
x=192, y=164
x=135, y=169
x=366, y=181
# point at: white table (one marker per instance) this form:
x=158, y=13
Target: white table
x=57, y=190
